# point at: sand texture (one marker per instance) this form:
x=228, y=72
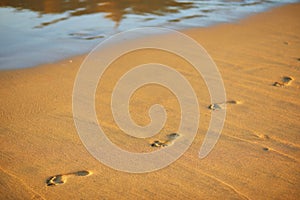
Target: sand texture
x=256, y=157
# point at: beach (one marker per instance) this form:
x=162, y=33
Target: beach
x=256, y=157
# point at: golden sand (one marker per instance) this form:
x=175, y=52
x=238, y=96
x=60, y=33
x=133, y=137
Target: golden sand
x=256, y=157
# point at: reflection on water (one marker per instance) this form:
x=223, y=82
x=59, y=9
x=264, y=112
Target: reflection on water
x=41, y=31
x=115, y=10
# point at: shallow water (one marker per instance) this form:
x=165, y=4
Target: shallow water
x=33, y=32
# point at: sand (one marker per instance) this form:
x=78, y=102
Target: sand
x=256, y=157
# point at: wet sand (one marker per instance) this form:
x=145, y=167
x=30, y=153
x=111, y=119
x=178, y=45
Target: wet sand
x=256, y=157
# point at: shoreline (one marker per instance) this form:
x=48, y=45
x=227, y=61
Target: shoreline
x=179, y=29
x=42, y=156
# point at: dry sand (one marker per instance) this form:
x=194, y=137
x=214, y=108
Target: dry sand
x=257, y=156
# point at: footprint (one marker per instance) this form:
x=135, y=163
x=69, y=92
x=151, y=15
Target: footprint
x=171, y=138
x=62, y=178
x=286, y=80
x=220, y=106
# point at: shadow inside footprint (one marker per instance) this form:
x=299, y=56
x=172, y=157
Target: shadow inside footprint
x=233, y=102
x=82, y=173
x=286, y=80
x=173, y=136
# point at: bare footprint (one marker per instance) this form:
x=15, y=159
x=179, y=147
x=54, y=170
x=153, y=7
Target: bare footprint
x=170, y=140
x=286, y=80
x=220, y=106
x=62, y=178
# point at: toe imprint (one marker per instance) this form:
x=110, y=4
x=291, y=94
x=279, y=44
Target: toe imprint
x=158, y=144
x=277, y=84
